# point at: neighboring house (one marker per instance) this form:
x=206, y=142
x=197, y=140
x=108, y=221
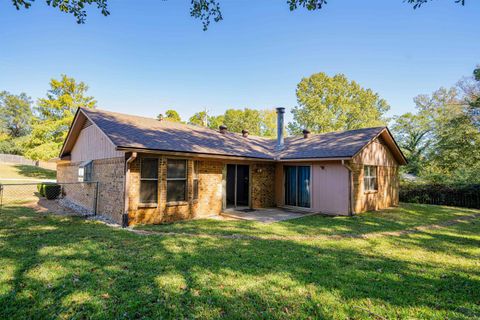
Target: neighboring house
x=152, y=171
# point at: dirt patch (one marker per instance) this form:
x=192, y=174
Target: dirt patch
x=51, y=206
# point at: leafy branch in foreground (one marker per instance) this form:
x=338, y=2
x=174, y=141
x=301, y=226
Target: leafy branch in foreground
x=75, y=7
x=204, y=10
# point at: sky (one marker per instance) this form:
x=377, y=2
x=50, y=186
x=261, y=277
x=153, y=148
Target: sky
x=149, y=56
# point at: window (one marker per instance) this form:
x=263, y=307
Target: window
x=297, y=186
x=149, y=180
x=85, y=171
x=370, y=178
x=195, y=179
x=176, y=180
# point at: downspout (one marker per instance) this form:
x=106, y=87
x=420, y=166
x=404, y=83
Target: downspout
x=133, y=156
x=350, y=188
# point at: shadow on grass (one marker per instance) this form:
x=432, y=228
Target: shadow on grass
x=59, y=267
x=35, y=172
x=395, y=219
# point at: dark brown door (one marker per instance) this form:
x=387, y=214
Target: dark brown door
x=237, y=185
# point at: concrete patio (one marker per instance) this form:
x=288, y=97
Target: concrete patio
x=267, y=215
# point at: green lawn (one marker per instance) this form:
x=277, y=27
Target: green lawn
x=22, y=171
x=397, y=219
x=56, y=267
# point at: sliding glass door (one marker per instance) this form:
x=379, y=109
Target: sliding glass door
x=297, y=186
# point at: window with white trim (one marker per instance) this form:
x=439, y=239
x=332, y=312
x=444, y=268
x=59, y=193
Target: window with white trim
x=195, y=179
x=149, y=180
x=176, y=180
x=370, y=178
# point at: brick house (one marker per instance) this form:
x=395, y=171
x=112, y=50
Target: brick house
x=152, y=171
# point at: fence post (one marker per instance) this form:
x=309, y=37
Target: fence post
x=1, y=198
x=96, y=199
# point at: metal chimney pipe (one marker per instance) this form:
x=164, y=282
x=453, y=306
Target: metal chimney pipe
x=280, y=125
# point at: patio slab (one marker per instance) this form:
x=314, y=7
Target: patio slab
x=268, y=215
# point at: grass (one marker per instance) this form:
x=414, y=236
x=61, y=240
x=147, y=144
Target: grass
x=22, y=172
x=69, y=268
x=396, y=219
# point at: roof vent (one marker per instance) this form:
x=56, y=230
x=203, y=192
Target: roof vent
x=223, y=129
x=280, y=120
x=306, y=133
x=245, y=133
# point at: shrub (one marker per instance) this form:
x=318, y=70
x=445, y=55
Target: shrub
x=466, y=195
x=40, y=189
x=51, y=191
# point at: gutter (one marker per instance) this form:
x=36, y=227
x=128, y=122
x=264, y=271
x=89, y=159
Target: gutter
x=350, y=188
x=132, y=157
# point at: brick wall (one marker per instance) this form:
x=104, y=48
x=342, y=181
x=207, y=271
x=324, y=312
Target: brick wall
x=81, y=194
x=109, y=174
x=209, y=201
x=378, y=154
x=386, y=195
x=263, y=185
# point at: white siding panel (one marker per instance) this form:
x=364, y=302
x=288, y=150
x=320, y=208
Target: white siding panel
x=92, y=144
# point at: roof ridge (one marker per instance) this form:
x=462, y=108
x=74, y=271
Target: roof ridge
x=147, y=118
x=169, y=121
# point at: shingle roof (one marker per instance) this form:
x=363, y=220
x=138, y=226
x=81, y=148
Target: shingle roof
x=343, y=144
x=146, y=133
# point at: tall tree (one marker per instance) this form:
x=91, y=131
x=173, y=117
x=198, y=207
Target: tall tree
x=412, y=134
x=55, y=114
x=268, y=122
x=15, y=114
x=453, y=137
x=335, y=103
x=170, y=115
x=204, y=10
x=257, y=122
x=199, y=118
x=216, y=121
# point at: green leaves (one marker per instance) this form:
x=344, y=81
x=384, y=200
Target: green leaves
x=54, y=116
x=204, y=10
x=75, y=7
x=170, y=115
x=334, y=103
x=15, y=114
x=442, y=140
x=257, y=122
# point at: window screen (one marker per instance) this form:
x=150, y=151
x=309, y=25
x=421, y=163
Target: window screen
x=176, y=180
x=370, y=178
x=149, y=180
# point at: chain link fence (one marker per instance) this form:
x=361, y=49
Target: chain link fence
x=77, y=197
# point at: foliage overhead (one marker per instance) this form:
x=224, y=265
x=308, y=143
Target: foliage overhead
x=75, y=7
x=54, y=116
x=334, y=103
x=204, y=10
